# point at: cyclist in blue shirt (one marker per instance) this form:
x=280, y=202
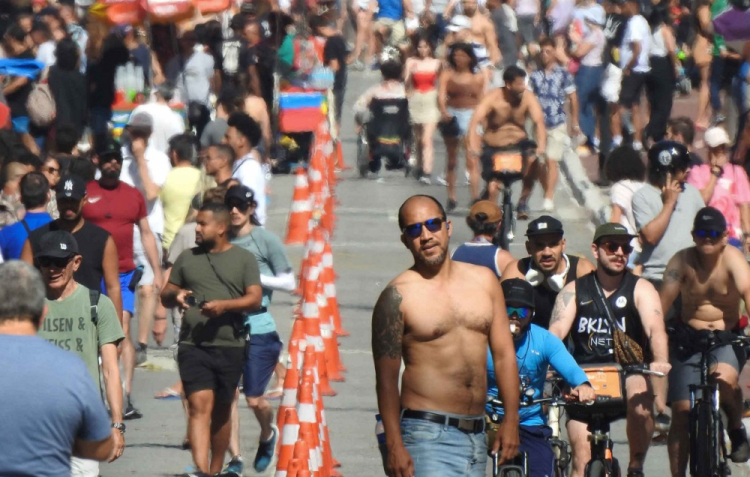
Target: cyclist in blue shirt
x=536, y=350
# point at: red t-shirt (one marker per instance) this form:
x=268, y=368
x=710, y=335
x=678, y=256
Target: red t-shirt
x=116, y=211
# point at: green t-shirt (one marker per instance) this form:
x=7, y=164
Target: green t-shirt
x=68, y=325
x=717, y=7
x=272, y=260
x=196, y=270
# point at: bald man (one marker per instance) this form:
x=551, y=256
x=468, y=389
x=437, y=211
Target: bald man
x=441, y=317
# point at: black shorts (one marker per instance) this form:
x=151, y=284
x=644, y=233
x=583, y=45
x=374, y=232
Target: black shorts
x=216, y=368
x=632, y=88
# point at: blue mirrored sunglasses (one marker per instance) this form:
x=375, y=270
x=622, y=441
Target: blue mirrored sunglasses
x=521, y=312
x=707, y=233
x=415, y=230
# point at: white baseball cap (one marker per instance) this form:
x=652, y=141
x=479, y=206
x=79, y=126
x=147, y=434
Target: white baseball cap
x=716, y=136
x=458, y=23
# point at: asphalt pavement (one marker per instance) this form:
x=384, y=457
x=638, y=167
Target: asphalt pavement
x=367, y=254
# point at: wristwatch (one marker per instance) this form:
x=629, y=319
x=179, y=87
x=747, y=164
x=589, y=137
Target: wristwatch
x=717, y=171
x=119, y=426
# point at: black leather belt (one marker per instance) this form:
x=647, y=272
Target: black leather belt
x=473, y=426
x=262, y=309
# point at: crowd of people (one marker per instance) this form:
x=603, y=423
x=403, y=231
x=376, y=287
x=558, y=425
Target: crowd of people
x=165, y=217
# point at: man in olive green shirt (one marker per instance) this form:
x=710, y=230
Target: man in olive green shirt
x=217, y=284
x=84, y=323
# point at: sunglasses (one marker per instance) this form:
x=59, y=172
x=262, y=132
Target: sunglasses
x=51, y=170
x=241, y=206
x=415, y=230
x=57, y=262
x=612, y=247
x=708, y=233
x=521, y=312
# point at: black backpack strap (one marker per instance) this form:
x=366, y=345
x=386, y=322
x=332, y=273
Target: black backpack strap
x=94, y=299
x=26, y=226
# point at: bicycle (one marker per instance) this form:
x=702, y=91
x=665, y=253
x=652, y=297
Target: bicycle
x=608, y=381
x=506, y=165
x=708, y=452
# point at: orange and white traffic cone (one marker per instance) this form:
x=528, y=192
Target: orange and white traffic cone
x=289, y=435
x=340, y=164
x=310, y=314
x=289, y=393
x=301, y=212
x=309, y=425
x=302, y=454
x=333, y=360
x=328, y=276
x=294, y=468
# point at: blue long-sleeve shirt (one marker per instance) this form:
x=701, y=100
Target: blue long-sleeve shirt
x=535, y=352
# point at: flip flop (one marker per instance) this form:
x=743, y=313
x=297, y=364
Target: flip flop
x=168, y=394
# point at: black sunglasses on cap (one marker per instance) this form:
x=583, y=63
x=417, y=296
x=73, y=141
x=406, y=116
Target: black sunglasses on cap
x=57, y=262
x=415, y=230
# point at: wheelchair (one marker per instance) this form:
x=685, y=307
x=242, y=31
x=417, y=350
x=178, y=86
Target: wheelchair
x=385, y=137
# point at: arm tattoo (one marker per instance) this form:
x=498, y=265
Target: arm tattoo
x=672, y=275
x=560, y=304
x=387, y=325
x=657, y=312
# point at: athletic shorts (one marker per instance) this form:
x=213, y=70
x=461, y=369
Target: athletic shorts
x=611, y=83
x=128, y=297
x=632, y=88
x=20, y=124
x=686, y=369
x=260, y=361
x=218, y=368
x=83, y=467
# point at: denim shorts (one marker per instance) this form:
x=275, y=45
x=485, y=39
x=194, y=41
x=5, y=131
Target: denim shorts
x=260, y=361
x=447, y=451
x=463, y=116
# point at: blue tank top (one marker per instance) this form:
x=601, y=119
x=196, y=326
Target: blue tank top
x=392, y=9
x=480, y=252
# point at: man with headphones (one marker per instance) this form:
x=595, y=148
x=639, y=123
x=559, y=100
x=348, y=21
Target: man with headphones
x=585, y=314
x=547, y=268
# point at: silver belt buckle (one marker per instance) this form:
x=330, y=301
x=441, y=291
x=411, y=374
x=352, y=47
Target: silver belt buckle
x=466, y=425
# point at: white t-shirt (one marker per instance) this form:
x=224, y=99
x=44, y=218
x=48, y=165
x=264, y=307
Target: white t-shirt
x=637, y=30
x=621, y=194
x=158, y=169
x=46, y=53
x=248, y=171
x=167, y=123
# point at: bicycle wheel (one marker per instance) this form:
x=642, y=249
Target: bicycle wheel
x=506, y=227
x=702, y=440
x=597, y=468
x=363, y=155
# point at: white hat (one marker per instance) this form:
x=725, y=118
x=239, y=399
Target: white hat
x=715, y=137
x=458, y=23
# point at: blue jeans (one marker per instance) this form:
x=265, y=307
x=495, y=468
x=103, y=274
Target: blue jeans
x=588, y=81
x=98, y=119
x=444, y=450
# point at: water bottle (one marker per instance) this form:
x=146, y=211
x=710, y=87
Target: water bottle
x=380, y=434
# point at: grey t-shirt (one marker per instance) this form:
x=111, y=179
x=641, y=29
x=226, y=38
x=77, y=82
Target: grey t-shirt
x=47, y=401
x=192, y=76
x=506, y=39
x=647, y=204
x=213, y=133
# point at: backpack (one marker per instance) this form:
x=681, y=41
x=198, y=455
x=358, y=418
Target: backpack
x=94, y=299
x=40, y=104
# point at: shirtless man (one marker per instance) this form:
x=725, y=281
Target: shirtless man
x=712, y=279
x=502, y=113
x=634, y=305
x=440, y=316
x=547, y=267
x=462, y=29
x=482, y=30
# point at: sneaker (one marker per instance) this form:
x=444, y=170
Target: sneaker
x=131, y=412
x=357, y=65
x=141, y=354
x=425, y=179
x=616, y=141
x=740, y=446
x=195, y=474
x=635, y=472
x=662, y=422
x=468, y=178
x=264, y=456
x=522, y=211
x=452, y=204
x=637, y=146
x=548, y=205
x=441, y=180
x=234, y=466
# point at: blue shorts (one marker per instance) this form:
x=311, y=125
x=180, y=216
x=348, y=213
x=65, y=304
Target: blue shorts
x=128, y=298
x=442, y=450
x=260, y=360
x=535, y=443
x=21, y=124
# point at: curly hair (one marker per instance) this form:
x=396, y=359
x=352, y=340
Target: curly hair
x=466, y=48
x=624, y=162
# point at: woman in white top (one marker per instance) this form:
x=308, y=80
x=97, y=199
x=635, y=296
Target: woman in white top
x=588, y=48
x=660, y=81
x=626, y=169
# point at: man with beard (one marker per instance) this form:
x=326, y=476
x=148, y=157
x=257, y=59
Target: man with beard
x=117, y=208
x=95, y=244
x=548, y=268
x=217, y=284
x=584, y=310
x=502, y=113
x=712, y=279
x=440, y=316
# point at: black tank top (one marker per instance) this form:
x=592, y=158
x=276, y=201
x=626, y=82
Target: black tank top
x=591, y=335
x=544, y=297
x=91, y=241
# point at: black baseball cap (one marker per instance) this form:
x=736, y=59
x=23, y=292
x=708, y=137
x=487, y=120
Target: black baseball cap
x=709, y=218
x=240, y=193
x=57, y=244
x=107, y=149
x=611, y=229
x=544, y=225
x=71, y=186
x=518, y=291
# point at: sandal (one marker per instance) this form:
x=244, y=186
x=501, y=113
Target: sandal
x=168, y=394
